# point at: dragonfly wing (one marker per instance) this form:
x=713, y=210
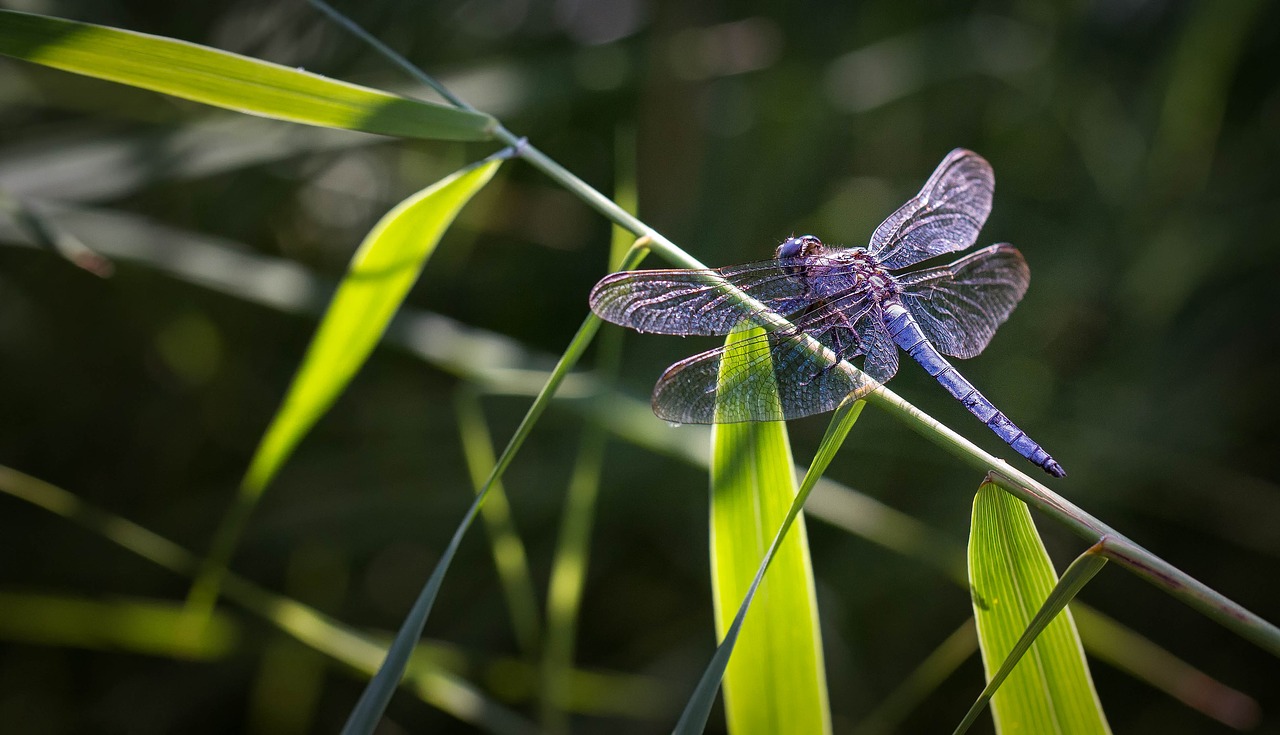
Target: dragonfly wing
x=777, y=375
x=689, y=302
x=944, y=217
x=959, y=306
x=881, y=362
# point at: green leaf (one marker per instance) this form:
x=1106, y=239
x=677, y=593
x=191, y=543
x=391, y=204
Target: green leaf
x=694, y=718
x=1011, y=578
x=381, y=273
x=228, y=80
x=775, y=681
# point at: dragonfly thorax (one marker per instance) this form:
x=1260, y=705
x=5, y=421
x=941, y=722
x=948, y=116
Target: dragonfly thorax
x=839, y=272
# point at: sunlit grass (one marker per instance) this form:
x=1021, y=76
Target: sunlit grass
x=776, y=678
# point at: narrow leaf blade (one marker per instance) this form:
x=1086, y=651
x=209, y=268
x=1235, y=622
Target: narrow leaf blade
x=1011, y=576
x=775, y=681
x=228, y=80
x=381, y=273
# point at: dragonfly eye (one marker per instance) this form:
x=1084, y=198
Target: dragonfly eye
x=798, y=247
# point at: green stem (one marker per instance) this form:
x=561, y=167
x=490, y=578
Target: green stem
x=1116, y=546
x=599, y=202
x=351, y=27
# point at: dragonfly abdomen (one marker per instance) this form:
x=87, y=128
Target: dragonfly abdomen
x=907, y=334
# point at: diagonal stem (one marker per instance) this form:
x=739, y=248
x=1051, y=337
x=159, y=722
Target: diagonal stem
x=1124, y=551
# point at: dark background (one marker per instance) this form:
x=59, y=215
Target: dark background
x=1135, y=146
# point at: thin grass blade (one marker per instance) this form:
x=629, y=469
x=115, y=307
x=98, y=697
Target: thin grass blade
x=228, y=80
x=368, y=711
x=1020, y=607
x=380, y=275
x=568, y=580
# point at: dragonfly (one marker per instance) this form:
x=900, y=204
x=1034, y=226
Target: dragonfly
x=843, y=304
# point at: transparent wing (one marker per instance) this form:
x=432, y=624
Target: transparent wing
x=960, y=305
x=683, y=301
x=780, y=375
x=944, y=217
x=881, y=361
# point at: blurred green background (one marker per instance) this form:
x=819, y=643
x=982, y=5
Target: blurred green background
x=1135, y=146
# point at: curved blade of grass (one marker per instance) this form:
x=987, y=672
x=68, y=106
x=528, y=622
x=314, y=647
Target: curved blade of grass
x=381, y=273
x=694, y=718
x=1017, y=598
x=776, y=681
x=228, y=80
x=373, y=701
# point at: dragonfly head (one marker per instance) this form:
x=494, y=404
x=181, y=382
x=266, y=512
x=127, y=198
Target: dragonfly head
x=799, y=247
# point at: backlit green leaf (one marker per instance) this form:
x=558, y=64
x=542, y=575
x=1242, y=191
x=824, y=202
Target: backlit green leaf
x=1010, y=575
x=228, y=80
x=383, y=269
x=775, y=681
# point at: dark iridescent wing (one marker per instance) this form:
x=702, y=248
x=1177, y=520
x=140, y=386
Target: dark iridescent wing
x=779, y=375
x=944, y=217
x=682, y=301
x=960, y=305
